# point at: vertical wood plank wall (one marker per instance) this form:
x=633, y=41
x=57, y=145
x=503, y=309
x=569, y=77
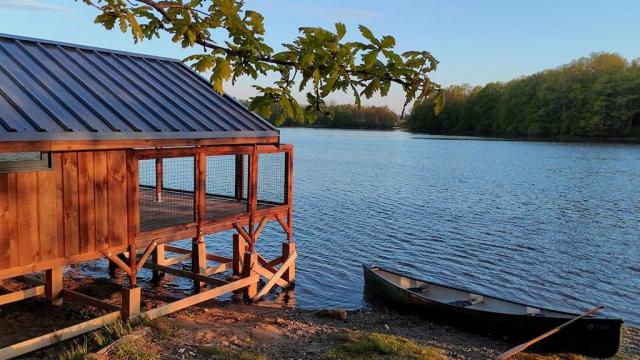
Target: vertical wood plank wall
x=79, y=207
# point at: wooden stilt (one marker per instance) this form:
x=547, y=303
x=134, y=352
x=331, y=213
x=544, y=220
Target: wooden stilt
x=198, y=260
x=130, y=303
x=133, y=267
x=158, y=258
x=250, y=258
x=53, y=285
x=239, y=248
x=288, y=249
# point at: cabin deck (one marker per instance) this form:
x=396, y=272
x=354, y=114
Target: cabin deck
x=178, y=207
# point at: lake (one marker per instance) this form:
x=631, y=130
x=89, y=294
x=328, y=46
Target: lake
x=551, y=224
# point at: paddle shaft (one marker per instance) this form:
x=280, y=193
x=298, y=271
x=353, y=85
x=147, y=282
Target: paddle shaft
x=522, y=347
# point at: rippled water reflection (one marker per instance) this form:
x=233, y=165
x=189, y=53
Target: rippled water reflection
x=552, y=224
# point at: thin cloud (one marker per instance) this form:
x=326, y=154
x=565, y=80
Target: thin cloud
x=36, y=5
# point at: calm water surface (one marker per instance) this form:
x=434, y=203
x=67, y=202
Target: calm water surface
x=552, y=224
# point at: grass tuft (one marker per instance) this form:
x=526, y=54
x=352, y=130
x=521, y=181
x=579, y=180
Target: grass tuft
x=220, y=353
x=132, y=351
x=358, y=345
x=76, y=351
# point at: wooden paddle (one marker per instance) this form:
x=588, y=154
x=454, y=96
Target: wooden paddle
x=522, y=347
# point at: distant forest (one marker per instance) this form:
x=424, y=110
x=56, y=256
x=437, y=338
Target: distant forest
x=595, y=96
x=344, y=117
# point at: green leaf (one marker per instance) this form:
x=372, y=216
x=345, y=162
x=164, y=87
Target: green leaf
x=341, y=30
x=388, y=42
x=370, y=59
x=368, y=35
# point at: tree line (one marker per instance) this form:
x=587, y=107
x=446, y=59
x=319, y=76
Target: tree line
x=594, y=96
x=342, y=117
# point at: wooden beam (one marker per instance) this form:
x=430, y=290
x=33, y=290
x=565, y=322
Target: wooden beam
x=253, y=195
x=242, y=232
x=258, y=231
x=149, y=250
x=186, y=274
x=54, y=285
x=198, y=260
x=289, y=192
x=177, y=250
x=288, y=249
x=119, y=263
x=269, y=275
x=57, y=336
x=83, y=299
x=219, y=269
x=265, y=263
x=276, y=276
x=201, y=297
x=218, y=258
x=277, y=261
x=177, y=259
x=22, y=294
x=284, y=225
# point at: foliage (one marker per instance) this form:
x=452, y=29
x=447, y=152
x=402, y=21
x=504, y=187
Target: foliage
x=318, y=61
x=595, y=96
x=220, y=353
x=359, y=345
x=343, y=117
x=76, y=351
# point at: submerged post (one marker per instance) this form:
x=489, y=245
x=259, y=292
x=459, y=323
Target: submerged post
x=130, y=302
x=239, y=248
x=288, y=249
x=250, y=259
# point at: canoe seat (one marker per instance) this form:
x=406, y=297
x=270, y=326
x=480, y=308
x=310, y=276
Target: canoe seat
x=418, y=289
x=475, y=299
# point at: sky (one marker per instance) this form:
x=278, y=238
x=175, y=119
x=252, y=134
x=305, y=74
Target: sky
x=476, y=42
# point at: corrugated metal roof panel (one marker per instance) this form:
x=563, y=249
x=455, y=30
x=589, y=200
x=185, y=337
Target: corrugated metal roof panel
x=57, y=91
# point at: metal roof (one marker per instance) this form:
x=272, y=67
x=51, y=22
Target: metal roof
x=57, y=91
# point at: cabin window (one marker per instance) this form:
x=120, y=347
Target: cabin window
x=25, y=162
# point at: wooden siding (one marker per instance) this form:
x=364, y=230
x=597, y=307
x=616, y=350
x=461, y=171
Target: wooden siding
x=77, y=209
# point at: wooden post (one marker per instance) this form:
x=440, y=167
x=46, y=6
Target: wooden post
x=159, y=180
x=288, y=248
x=133, y=277
x=54, y=285
x=239, y=248
x=250, y=258
x=289, y=192
x=198, y=260
x=158, y=259
x=239, y=177
x=253, y=195
x=130, y=303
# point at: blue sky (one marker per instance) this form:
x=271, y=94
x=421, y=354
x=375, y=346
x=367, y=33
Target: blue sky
x=475, y=41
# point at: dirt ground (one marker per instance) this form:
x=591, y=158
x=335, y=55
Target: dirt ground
x=234, y=330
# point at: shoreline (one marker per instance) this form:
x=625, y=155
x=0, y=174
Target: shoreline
x=234, y=330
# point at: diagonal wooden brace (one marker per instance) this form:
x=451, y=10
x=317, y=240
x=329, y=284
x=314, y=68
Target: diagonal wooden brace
x=267, y=287
x=118, y=262
x=146, y=254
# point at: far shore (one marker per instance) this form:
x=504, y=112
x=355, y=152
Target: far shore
x=488, y=137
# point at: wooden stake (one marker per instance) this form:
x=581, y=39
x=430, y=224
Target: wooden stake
x=239, y=193
x=130, y=303
x=250, y=258
x=54, y=284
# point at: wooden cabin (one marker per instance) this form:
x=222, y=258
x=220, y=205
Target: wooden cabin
x=108, y=154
